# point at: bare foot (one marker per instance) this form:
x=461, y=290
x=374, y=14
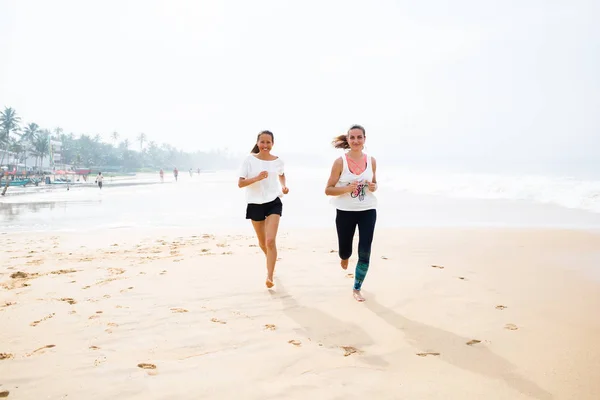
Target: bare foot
x=344, y=264
x=269, y=283
x=357, y=296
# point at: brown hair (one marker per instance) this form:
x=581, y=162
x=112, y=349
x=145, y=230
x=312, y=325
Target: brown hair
x=341, y=141
x=255, y=149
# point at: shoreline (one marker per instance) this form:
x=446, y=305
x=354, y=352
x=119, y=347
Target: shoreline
x=465, y=313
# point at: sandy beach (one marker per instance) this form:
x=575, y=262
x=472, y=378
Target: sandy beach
x=450, y=314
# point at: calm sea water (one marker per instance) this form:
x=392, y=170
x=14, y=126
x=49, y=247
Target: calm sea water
x=213, y=201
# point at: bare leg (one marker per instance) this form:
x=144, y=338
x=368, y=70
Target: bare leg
x=271, y=225
x=259, y=228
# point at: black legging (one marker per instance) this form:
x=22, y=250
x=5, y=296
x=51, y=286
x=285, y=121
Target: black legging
x=346, y=222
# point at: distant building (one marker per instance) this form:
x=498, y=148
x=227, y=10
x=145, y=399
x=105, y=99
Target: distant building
x=55, y=157
x=8, y=156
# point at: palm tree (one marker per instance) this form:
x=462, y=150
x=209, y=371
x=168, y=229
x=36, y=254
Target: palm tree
x=115, y=137
x=41, y=146
x=142, y=138
x=9, y=123
x=27, y=137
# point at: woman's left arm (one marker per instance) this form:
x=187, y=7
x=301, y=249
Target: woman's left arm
x=373, y=183
x=284, y=188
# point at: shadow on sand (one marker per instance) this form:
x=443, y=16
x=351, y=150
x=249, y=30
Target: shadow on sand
x=454, y=351
x=326, y=330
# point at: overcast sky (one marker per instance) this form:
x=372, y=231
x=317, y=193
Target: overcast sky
x=428, y=79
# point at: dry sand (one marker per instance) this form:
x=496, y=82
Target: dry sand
x=450, y=314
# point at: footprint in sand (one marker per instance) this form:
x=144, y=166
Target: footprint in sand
x=146, y=366
x=99, y=361
x=428, y=353
x=472, y=342
x=94, y=348
x=4, y=393
x=7, y=304
x=349, y=275
x=500, y=307
x=296, y=343
x=511, y=327
x=86, y=287
x=179, y=310
x=384, y=258
x=35, y=323
x=437, y=266
x=462, y=278
x=270, y=327
x=349, y=350
x=163, y=272
x=116, y=271
x=63, y=271
x=110, y=325
x=20, y=275
x=241, y=314
x=217, y=321
x=68, y=300
x=6, y=356
x=41, y=349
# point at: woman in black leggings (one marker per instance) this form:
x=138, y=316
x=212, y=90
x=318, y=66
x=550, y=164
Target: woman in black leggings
x=352, y=184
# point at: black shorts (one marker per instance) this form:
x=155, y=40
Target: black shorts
x=259, y=212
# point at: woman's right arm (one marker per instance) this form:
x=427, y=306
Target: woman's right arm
x=336, y=172
x=243, y=182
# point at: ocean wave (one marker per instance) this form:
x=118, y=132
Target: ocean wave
x=563, y=191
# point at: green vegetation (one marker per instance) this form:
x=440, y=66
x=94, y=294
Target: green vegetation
x=89, y=151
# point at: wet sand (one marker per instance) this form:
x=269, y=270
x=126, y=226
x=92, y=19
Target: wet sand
x=152, y=314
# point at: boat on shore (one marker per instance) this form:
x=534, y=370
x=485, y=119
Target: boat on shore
x=18, y=182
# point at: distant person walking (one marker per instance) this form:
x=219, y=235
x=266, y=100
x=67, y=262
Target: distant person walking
x=175, y=173
x=352, y=183
x=262, y=174
x=162, y=175
x=99, y=180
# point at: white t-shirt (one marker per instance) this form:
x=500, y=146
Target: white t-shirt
x=266, y=190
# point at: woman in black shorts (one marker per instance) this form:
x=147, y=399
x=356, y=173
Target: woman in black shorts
x=262, y=174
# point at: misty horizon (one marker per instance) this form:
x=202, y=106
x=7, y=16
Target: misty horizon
x=475, y=84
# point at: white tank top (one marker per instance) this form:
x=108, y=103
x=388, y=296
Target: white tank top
x=362, y=198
